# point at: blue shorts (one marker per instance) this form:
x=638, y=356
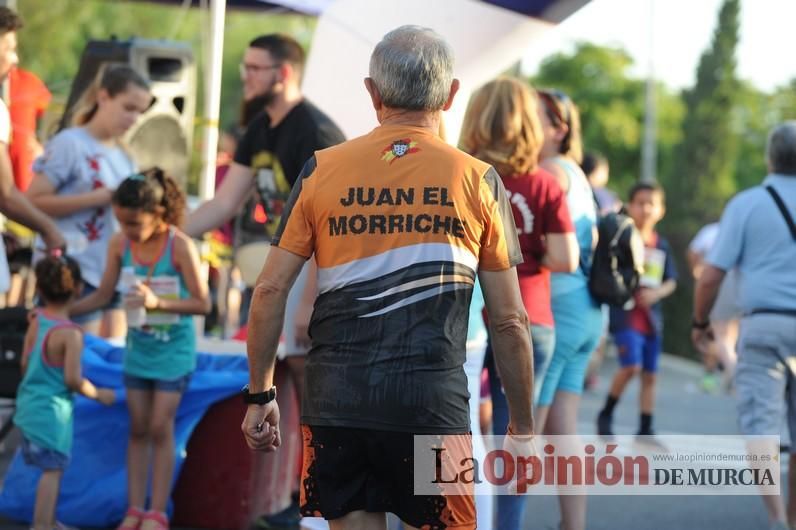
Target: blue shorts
x=579, y=325
x=42, y=457
x=133, y=382
x=636, y=349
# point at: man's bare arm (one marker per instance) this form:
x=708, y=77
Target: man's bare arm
x=261, y=424
x=18, y=208
x=227, y=201
x=267, y=315
x=706, y=290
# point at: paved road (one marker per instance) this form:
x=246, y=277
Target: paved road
x=682, y=409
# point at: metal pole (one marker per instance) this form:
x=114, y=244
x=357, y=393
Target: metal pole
x=212, y=99
x=649, y=147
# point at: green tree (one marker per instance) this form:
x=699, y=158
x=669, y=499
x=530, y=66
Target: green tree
x=703, y=169
x=753, y=118
x=611, y=104
x=755, y=115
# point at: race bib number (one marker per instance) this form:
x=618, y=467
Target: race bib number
x=168, y=288
x=654, y=263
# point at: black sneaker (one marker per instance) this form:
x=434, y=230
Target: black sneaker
x=604, y=424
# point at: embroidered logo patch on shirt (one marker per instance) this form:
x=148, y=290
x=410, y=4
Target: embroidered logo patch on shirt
x=398, y=149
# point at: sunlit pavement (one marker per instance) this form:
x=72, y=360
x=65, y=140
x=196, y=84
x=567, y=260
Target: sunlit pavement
x=681, y=408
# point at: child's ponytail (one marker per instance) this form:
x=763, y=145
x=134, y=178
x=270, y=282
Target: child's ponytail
x=152, y=191
x=173, y=199
x=58, y=278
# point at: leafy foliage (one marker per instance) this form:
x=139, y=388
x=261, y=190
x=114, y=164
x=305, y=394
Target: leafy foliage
x=702, y=176
x=612, y=106
x=710, y=138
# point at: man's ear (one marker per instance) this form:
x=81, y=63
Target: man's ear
x=375, y=97
x=286, y=71
x=454, y=90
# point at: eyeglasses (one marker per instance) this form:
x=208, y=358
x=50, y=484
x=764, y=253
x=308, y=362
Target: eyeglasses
x=555, y=101
x=248, y=69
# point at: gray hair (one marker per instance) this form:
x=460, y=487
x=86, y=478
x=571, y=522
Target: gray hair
x=412, y=68
x=781, y=148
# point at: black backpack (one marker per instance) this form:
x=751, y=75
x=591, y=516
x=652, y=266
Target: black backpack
x=618, y=260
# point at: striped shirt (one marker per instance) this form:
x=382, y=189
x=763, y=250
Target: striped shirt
x=399, y=223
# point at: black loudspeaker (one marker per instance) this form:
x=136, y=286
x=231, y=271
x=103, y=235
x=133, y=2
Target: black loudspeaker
x=163, y=134
x=13, y=325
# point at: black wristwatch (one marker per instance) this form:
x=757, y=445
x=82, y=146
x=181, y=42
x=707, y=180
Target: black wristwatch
x=260, y=398
x=700, y=325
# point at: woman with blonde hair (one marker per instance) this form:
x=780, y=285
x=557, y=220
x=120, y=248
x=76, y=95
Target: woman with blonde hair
x=577, y=316
x=501, y=127
x=81, y=167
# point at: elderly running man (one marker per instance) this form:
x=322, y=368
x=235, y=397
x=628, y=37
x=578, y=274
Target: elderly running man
x=399, y=223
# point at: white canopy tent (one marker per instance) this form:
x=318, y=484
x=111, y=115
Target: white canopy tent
x=487, y=40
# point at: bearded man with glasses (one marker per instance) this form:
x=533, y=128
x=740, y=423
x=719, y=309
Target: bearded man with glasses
x=285, y=133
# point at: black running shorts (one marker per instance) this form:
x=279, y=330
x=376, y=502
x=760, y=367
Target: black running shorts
x=347, y=469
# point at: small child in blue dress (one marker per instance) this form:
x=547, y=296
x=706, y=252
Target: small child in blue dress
x=52, y=374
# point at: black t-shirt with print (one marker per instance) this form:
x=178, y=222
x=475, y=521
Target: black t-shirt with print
x=277, y=154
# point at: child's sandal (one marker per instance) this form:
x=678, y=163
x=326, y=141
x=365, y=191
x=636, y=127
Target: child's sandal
x=154, y=521
x=132, y=519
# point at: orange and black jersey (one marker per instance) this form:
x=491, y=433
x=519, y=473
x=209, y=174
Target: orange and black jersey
x=399, y=223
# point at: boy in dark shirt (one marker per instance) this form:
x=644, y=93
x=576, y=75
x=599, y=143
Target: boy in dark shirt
x=638, y=330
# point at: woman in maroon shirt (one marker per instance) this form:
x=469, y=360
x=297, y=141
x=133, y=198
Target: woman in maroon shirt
x=501, y=127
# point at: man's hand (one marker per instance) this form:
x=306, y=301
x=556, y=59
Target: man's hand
x=702, y=340
x=261, y=427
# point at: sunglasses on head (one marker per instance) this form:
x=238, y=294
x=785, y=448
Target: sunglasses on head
x=554, y=101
